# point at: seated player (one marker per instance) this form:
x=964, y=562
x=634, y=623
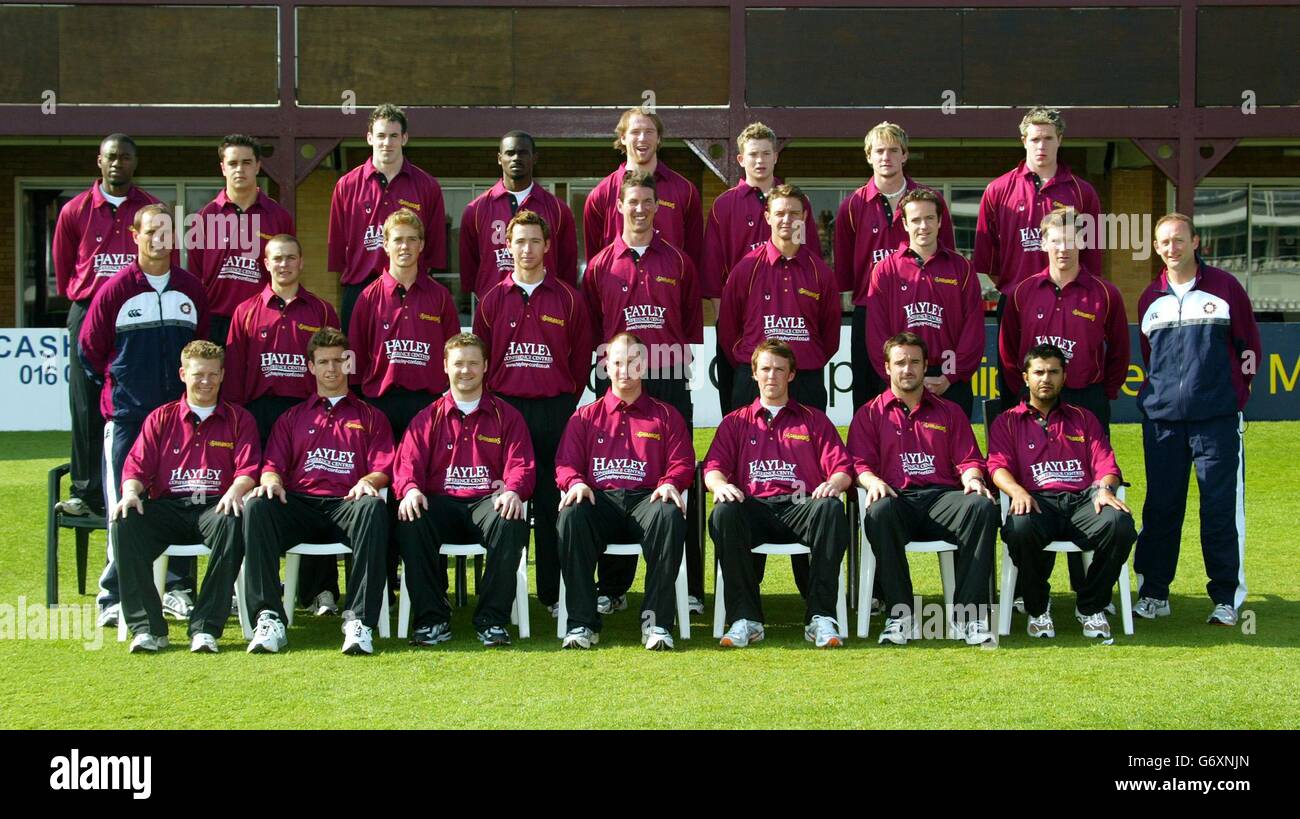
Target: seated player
x=467, y=461
x=1055, y=462
x=185, y=478
x=763, y=459
x=623, y=463
x=325, y=463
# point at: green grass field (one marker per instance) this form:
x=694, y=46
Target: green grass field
x=1173, y=673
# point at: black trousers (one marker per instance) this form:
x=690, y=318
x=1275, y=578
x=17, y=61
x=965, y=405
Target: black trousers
x=867, y=383
x=545, y=419
x=616, y=572
x=349, y=300
x=141, y=538
x=452, y=520
x=737, y=528
x=808, y=388
x=87, y=472
x=266, y=410
x=218, y=328
x=726, y=377
x=271, y=528
x=1069, y=516
x=932, y=513
x=621, y=516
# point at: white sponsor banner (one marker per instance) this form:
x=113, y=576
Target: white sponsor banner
x=34, y=379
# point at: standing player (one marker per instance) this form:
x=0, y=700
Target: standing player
x=931, y=291
x=539, y=342
x=327, y=459
x=484, y=256
x=868, y=228
x=784, y=291
x=186, y=478
x=233, y=229
x=134, y=331
x=623, y=463
x=737, y=224
x=916, y=456
x=1075, y=309
x=92, y=241
x=367, y=195
x=678, y=221
x=467, y=461
x=1201, y=348
x=763, y=460
x=640, y=283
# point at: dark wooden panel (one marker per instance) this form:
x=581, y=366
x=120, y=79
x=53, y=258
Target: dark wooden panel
x=1104, y=56
x=29, y=46
x=410, y=56
x=1253, y=48
x=166, y=54
x=860, y=57
x=609, y=56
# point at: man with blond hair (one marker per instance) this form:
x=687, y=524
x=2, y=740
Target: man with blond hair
x=869, y=227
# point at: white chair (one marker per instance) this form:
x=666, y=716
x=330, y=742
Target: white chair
x=1009, y=573
x=518, y=612
x=867, y=574
x=292, y=563
x=160, y=574
x=719, y=598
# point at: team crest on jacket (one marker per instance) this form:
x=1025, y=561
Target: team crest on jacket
x=1210, y=307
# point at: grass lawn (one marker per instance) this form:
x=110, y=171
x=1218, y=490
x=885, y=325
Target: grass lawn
x=1174, y=673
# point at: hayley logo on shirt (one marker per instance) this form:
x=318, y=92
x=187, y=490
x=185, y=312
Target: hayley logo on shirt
x=644, y=316
x=786, y=328
x=1031, y=239
x=916, y=464
x=198, y=479
x=241, y=269
x=771, y=470
x=407, y=351
x=325, y=459
x=106, y=264
x=924, y=314
x=286, y=365
x=617, y=469
x=528, y=354
x=877, y=255
x=1069, y=471
x=1066, y=345
x=467, y=477
x=374, y=237
x=505, y=259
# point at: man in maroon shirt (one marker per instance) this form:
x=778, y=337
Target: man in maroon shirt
x=763, y=459
x=367, y=195
x=737, y=224
x=931, y=291
x=623, y=463
x=325, y=464
x=186, y=477
x=538, y=335
x=232, y=230
x=868, y=228
x=640, y=283
x=679, y=220
x=782, y=290
x=467, y=461
x=916, y=457
x=1056, y=465
x=92, y=241
x=484, y=256
x=1075, y=309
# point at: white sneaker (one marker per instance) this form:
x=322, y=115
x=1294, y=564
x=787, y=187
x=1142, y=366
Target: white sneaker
x=898, y=630
x=695, y=605
x=203, y=643
x=1149, y=608
x=144, y=641
x=823, y=632
x=357, y=638
x=1094, y=625
x=1041, y=626
x=580, y=637
x=269, y=636
x=109, y=615
x=73, y=507
x=609, y=605
x=178, y=604
x=1223, y=615
x=1019, y=604
x=978, y=633
x=658, y=639
x=324, y=605
x=742, y=633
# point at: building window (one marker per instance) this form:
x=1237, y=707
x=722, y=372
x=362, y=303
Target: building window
x=1252, y=230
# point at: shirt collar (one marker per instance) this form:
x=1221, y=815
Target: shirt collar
x=612, y=402
x=222, y=200
x=390, y=283
x=318, y=400
x=133, y=194
x=371, y=170
x=218, y=411
x=774, y=255
x=1063, y=173
x=927, y=400
x=872, y=191
x=448, y=401
x=621, y=247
